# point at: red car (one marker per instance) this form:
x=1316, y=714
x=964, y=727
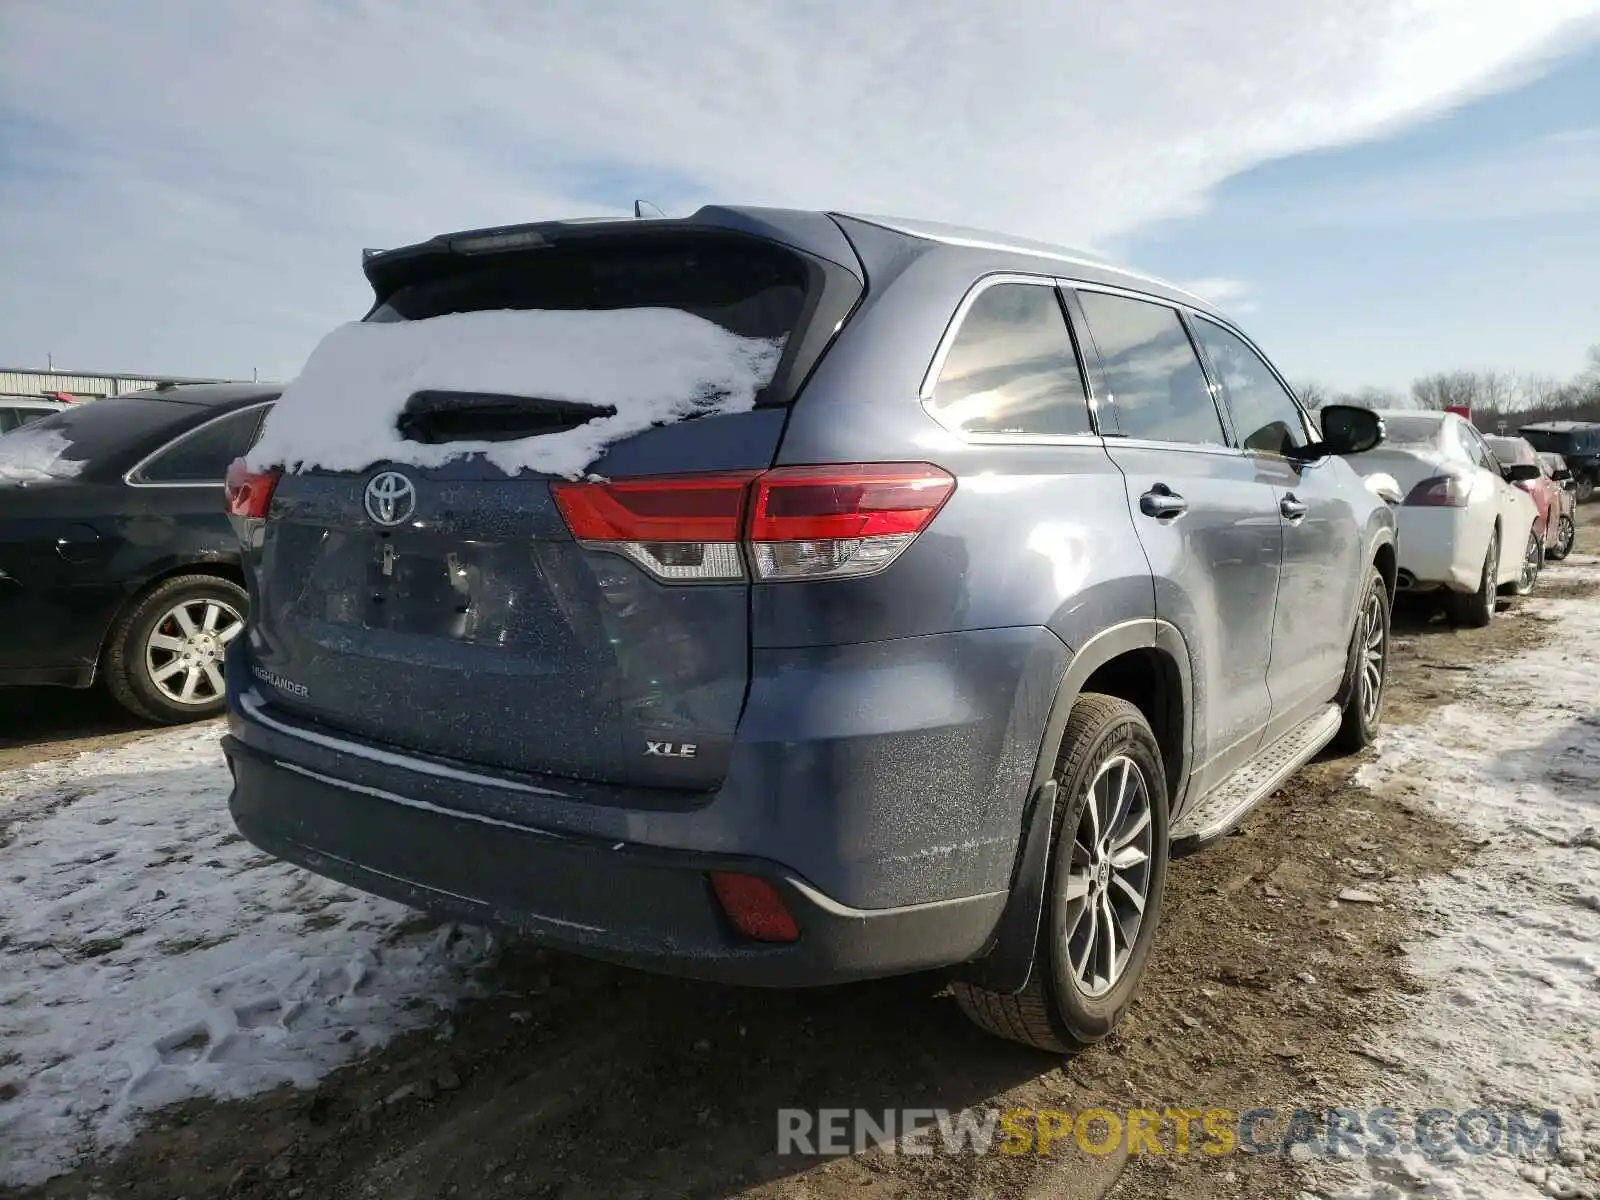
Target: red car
x=1546, y=493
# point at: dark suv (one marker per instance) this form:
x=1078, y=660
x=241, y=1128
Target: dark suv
x=1576, y=441
x=1021, y=571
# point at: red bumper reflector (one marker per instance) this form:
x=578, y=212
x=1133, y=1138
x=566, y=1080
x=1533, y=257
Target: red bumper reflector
x=755, y=907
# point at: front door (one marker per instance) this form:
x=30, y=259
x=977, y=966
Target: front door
x=1206, y=518
x=1322, y=552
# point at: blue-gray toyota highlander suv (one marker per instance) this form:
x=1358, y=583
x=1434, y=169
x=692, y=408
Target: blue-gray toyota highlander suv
x=1023, y=572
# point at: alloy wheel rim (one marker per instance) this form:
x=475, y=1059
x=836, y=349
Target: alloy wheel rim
x=183, y=654
x=1530, y=563
x=1491, y=575
x=1108, y=876
x=1566, y=535
x=1374, y=650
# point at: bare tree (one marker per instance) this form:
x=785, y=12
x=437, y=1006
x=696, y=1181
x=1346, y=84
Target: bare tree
x=1313, y=394
x=1445, y=389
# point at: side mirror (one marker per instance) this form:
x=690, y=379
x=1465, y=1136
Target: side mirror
x=1346, y=429
x=1521, y=473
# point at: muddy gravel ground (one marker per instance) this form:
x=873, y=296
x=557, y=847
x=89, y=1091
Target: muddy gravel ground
x=571, y=1079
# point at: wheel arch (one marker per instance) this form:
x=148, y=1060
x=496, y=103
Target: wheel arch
x=1145, y=662
x=218, y=568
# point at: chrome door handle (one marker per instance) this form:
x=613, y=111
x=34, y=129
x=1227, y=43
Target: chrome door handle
x=1292, y=509
x=1162, y=503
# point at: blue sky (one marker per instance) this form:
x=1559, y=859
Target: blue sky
x=1377, y=188
x=1471, y=239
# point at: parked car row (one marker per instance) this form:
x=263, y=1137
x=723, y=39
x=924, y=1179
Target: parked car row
x=1022, y=573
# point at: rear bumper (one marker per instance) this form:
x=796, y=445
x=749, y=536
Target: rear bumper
x=1437, y=548
x=637, y=905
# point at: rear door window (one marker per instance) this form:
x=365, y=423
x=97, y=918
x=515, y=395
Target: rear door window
x=203, y=455
x=1011, y=368
x=1156, y=385
x=1265, y=415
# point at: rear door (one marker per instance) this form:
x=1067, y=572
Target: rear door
x=1205, y=512
x=449, y=610
x=1323, y=564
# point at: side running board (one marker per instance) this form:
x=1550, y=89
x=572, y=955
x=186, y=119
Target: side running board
x=1231, y=801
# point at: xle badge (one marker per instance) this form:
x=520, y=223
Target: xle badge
x=670, y=749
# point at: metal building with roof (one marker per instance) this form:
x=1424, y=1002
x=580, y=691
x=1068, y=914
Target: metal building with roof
x=85, y=385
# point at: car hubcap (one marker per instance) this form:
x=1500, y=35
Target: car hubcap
x=1530, y=562
x=1108, y=876
x=1568, y=534
x=184, y=654
x=1491, y=575
x=1373, y=652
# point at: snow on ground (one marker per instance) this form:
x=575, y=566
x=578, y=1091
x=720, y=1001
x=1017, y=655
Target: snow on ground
x=1512, y=953
x=653, y=365
x=33, y=455
x=148, y=954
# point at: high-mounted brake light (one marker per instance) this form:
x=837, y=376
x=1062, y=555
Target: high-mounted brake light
x=249, y=493
x=1441, y=491
x=830, y=522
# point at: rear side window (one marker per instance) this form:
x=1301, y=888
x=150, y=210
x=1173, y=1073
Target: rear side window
x=1157, y=387
x=203, y=456
x=1011, y=368
x=9, y=419
x=1265, y=415
x=27, y=415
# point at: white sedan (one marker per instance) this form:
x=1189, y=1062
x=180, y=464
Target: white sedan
x=1465, y=528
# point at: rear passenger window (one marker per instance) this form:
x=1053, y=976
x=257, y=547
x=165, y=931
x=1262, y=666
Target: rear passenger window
x=203, y=457
x=1157, y=387
x=1265, y=416
x=1011, y=368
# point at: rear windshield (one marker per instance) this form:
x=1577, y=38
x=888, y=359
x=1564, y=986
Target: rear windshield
x=1412, y=431
x=1511, y=450
x=92, y=430
x=751, y=288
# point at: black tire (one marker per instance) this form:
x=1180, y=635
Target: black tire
x=1532, y=561
x=1566, y=535
x=1476, y=609
x=127, y=664
x=1359, y=728
x=1054, y=1012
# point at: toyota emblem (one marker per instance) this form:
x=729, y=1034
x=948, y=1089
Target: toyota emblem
x=391, y=498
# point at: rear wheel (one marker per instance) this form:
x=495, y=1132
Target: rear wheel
x=1477, y=608
x=1102, y=901
x=1566, y=535
x=1532, y=564
x=1585, y=490
x=1368, y=669
x=164, y=659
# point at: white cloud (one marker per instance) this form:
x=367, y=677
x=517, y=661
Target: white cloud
x=1230, y=295
x=188, y=185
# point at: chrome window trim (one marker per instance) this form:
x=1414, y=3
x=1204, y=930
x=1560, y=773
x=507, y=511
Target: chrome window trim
x=130, y=476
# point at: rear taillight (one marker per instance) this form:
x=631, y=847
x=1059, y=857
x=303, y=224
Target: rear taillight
x=1441, y=491
x=816, y=522
x=681, y=529
x=792, y=522
x=248, y=493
